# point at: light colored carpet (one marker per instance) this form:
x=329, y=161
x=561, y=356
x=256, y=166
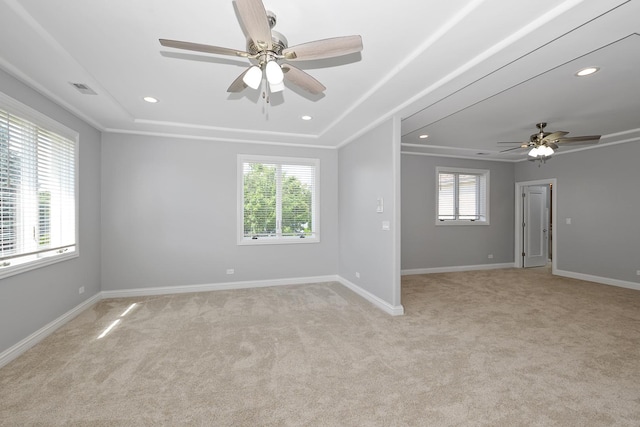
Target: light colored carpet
x=500, y=348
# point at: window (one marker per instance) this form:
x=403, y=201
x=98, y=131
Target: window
x=37, y=189
x=462, y=196
x=277, y=200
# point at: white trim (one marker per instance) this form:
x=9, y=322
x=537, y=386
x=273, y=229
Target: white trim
x=213, y=138
x=12, y=270
x=29, y=114
x=485, y=179
x=207, y=287
x=454, y=156
x=315, y=195
x=598, y=279
x=224, y=129
x=37, y=118
x=396, y=213
x=457, y=268
x=394, y=310
x=16, y=350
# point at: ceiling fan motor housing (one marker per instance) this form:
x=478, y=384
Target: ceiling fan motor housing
x=278, y=40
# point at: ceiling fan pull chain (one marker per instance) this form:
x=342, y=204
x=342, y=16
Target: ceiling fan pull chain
x=265, y=92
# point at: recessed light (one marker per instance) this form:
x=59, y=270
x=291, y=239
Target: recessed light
x=150, y=99
x=587, y=71
x=423, y=136
x=306, y=117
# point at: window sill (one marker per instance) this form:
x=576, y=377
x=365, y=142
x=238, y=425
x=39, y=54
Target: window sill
x=12, y=270
x=460, y=222
x=277, y=241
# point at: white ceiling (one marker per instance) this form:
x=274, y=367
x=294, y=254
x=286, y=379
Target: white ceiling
x=469, y=73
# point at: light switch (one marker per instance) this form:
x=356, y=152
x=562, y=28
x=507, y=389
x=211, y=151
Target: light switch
x=386, y=226
x=380, y=205
x=568, y=220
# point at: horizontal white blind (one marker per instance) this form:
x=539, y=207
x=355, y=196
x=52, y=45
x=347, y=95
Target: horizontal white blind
x=278, y=199
x=37, y=190
x=468, y=186
x=446, y=196
x=298, y=182
x=462, y=195
x=259, y=199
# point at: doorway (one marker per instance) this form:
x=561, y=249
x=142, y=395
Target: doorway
x=535, y=220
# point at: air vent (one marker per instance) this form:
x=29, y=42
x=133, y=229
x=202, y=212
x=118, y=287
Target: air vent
x=83, y=88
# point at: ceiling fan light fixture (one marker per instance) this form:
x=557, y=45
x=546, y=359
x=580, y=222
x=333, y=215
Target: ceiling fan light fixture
x=274, y=73
x=546, y=151
x=541, y=151
x=253, y=77
x=278, y=87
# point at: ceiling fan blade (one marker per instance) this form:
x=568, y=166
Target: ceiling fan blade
x=254, y=17
x=238, y=84
x=594, y=138
x=553, y=136
x=552, y=145
x=202, y=48
x=327, y=48
x=514, y=148
x=302, y=79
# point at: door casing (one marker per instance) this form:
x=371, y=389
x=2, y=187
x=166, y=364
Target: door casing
x=536, y=201
x=519, y=217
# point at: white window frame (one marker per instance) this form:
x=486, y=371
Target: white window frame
x=278, y=238
x=485, y=180
x=21, y=264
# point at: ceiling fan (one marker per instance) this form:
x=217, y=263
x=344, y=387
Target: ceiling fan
x=543, y=144
x=270, y=53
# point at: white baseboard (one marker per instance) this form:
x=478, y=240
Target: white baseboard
x=16, y=350
x=453, y=269
x=167, y=290
x=598, y=279
x=394, y=310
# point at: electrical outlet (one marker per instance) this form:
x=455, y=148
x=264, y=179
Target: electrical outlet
x=230, y=271
x=490, y=256
x=637, y=272
x=357, y=275
x=81, y=290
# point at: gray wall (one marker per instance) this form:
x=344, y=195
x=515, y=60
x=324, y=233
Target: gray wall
x=30, y=300
x=169, y=211
x=425, y=245
x=367, y=171
x=599, y=189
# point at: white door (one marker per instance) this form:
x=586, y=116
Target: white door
x=535, y=227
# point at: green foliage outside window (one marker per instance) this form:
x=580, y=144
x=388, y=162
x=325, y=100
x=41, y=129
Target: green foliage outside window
x=261, y=198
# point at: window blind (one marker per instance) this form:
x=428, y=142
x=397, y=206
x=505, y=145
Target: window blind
x=468, y=191
x=446, y=196
x=37, y=191
x=462, y=195
x=278, y=199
